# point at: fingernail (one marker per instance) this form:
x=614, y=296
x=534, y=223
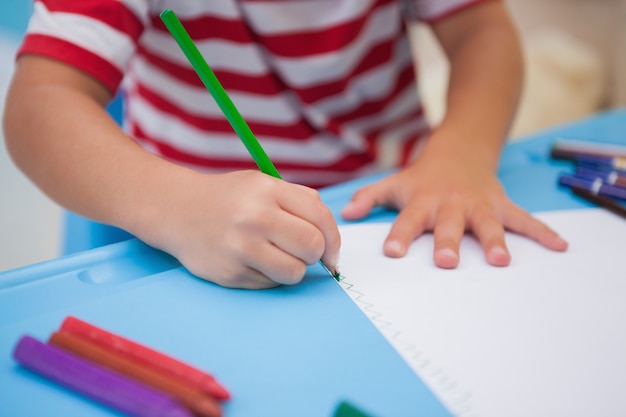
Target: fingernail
x=446, y=258
x=498, y=256
x=331, y=260
x=394, y=248
x=333, y=263
x=447, y=252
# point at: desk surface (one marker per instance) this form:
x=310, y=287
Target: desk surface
x=282, y=352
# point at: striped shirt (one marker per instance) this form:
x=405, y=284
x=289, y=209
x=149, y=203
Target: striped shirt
x=327, y=86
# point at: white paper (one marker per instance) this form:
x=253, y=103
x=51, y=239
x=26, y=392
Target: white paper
x=545, y=336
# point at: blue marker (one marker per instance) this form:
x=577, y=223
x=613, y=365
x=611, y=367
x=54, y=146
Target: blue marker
x=611, y=177
x=616, y=163
x=595, y=186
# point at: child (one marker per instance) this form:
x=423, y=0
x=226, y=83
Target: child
x=328, y=88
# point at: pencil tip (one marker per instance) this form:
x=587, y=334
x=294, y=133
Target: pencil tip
x=333, y=272
x=337, y=275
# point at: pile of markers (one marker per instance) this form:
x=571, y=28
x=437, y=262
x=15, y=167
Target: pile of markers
x=600, y=172
x=120, y=373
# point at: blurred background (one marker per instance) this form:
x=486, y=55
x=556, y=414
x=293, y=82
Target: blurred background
x=29, y=221
x=576, y=65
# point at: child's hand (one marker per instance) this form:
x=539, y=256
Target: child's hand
x=449, y=194
x=246, y=229
x=243, y=229
x=453, y=186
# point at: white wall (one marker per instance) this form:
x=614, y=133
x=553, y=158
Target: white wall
x=575, y=54
x=29, y=221
x=601, y=24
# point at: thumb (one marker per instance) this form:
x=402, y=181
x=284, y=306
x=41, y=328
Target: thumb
x=362, y=202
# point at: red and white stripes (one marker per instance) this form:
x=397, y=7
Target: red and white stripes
x=327, y=86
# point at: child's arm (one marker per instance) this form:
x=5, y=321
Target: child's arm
x=452, y=187
x=243, y=229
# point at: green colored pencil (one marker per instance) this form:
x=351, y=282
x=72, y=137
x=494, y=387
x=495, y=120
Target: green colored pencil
x=212, y=84
x=224, y=102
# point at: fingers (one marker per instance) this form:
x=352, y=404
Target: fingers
x=363, y=201
x=447, y=222
x=249, y=279
x=253, y=261
x=262, y=235
x=279, y=228
x=311, y=233
x=279, y=246
x=521, y=222
x=410, y=223
x=299, y=238
x=490, y=232
x=230, y=274
x=418, y=216
x=486, y=214
x=448, y=232
x=277, y=265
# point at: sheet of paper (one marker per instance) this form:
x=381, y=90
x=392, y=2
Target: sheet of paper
x=545, y=336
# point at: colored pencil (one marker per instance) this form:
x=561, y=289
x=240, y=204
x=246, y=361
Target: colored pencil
x=233, y=116
x=222, y=99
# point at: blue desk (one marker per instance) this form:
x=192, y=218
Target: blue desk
x=289, y=351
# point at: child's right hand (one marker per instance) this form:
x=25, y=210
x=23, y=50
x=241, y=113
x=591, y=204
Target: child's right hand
x=244, y=229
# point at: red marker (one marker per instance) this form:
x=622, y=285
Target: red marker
x=146, y=356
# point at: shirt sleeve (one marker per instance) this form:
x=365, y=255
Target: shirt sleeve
x=434, y=10
x=97, y=37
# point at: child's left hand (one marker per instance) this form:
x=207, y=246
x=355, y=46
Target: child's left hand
x=449, y=193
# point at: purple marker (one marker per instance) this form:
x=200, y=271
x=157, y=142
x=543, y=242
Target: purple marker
x=96, y=382
x=595, y=186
